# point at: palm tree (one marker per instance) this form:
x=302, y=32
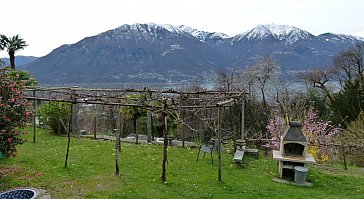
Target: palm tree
x=2, y=46
x=1, y=43
x=12, y=44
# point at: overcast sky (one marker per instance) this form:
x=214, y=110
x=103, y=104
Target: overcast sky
x=47, y=24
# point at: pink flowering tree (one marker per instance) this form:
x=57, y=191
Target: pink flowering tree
x=274, y=128
x=319, y=134
x=13, y=112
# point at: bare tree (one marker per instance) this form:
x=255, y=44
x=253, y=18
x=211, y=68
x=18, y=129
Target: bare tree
x=319, y=78
x=263, y=73
x=349, y=64
x=224, y=81
x=232, y=80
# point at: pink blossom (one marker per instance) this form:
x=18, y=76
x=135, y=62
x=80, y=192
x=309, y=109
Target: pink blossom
x=274, y=128
x=14, y=112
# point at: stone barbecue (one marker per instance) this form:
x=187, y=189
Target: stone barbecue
x=292, y=151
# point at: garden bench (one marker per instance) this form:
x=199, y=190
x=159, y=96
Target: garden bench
x=253, y=152
x=239, y=155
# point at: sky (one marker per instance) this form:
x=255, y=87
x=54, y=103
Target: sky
x=48, y=24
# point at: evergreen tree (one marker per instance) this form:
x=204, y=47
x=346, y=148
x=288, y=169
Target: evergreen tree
x=348, y=103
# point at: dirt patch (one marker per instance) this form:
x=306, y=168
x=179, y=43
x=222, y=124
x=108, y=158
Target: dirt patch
x=15, y=176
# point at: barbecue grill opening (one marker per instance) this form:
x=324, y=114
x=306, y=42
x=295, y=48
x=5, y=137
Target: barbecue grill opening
x=294, y=149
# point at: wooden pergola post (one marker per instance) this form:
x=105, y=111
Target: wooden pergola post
x=117, y=152
x=165, y=142
x=242, y=133
x=219, y=105
x=34, y=117
x=74, y=112
x=68, y=135
x=95, y=127
x=121, y=126
x=219, y=141
x=182, y=115
x=149, y=121
x=149, y=126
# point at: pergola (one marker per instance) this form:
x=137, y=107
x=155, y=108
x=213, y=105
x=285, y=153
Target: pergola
x=170, y=100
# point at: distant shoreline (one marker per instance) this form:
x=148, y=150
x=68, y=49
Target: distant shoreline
x=119, y=85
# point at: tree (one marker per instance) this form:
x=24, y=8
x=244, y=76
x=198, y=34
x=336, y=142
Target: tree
x=12, y=44
x=255, y=124
x=348, y=103
x=224, y=81
x=230, y=80
x=264, y=71
x=133, y=113
x=235, y=80
x=275, y=127
x=315, y=99
x=289, y=99
x=320, y=134
x=2, y=42
x=52, y=113
x=349, y=64
x=2, y=46
x=318, y=79
x=354, y=135
x=13, y=112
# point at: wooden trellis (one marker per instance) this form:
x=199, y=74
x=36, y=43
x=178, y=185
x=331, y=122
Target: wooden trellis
x=195, y=102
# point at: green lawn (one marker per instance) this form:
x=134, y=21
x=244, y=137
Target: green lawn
x=91, y=167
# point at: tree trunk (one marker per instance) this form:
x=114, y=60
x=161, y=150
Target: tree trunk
x=263, y=96
x=12, y=58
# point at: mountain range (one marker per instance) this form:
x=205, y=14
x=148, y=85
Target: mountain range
x=163, y=53
x=20, y=61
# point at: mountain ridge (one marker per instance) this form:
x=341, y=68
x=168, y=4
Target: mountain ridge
x=153, y=52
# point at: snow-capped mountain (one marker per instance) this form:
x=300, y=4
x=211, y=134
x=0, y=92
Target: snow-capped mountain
x=284, y=33
x=338, y=38
x=161, y=52
x=153, y=30
x=203, y=35
x=145, y=31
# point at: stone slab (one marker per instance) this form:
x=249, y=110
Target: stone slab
x=284, y=181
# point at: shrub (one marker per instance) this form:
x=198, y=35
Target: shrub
x=51, y=113
x=24, y=77
x=13, y=112
x=354, y=135
x=319, y=133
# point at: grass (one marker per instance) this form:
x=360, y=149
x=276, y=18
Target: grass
x=91, y=168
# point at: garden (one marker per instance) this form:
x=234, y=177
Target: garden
x=90, y=173
x=67, y=140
